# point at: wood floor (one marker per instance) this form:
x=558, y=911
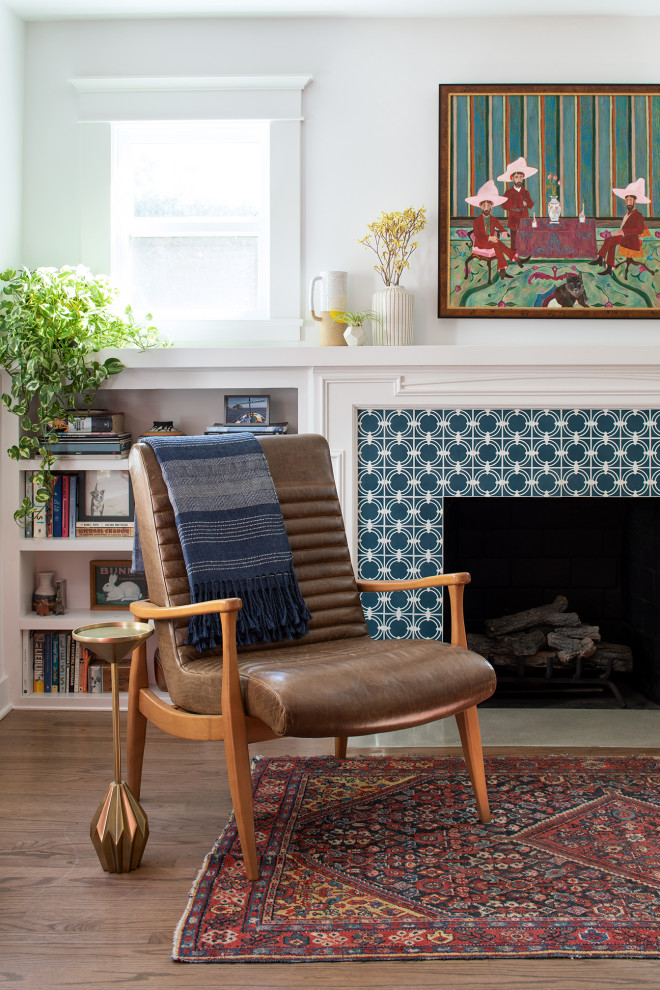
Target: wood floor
x=65, y=923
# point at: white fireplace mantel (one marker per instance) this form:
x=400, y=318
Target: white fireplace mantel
x=334, y=382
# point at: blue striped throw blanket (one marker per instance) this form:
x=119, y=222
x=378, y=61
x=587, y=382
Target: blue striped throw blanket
x=232, y=536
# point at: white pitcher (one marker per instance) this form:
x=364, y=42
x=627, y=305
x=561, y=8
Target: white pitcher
x=333, y=300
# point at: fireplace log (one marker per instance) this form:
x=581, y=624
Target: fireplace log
x=521, y=644
x=581, y=632
x=569, y=648
x=527, y=619
x=619, y=655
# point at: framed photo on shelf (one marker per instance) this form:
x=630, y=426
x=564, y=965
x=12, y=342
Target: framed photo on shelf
x=547, y=197
x=105, y=496
x=112, y=586
x=249, y=410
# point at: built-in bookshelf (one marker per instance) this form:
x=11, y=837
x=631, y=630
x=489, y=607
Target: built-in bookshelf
x=193, y=399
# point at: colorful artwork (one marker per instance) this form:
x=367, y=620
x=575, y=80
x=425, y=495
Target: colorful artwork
x=547, y=201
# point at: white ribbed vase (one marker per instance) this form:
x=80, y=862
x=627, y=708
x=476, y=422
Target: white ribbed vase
x=394, y=305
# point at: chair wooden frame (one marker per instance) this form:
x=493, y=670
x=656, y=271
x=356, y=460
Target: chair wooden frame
x=238, y=729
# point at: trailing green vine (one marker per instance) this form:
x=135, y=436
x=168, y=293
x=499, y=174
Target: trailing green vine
x=52, y=323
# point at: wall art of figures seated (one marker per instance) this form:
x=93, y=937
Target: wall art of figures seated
x=547, y=201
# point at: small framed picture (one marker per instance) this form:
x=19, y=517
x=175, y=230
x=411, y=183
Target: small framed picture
x=247, y=410
x=105, y=496
x=113, y=586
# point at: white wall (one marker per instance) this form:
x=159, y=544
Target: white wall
x=12, y=37
x=370, y=134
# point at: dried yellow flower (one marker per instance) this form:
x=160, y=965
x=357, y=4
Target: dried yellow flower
x=390, y=238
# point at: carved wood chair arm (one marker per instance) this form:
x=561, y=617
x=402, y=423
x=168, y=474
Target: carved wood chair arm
x=434, y=581
x=454, y=582
x=145, y=609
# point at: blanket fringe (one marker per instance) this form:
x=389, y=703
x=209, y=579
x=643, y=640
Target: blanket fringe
x=273, y=610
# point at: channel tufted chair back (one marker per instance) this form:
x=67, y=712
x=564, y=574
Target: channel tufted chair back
x=336, y=681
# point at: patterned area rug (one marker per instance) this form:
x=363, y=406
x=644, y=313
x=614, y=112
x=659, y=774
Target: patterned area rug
x=385, y=858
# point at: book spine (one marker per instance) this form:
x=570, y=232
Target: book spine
x=73, y=504
x=29, y=525
x=71, y=664
x=83, y=531
x=38, y=661
x=66, y=484
x=39, y=524
x=112, y=423
x=48, y=663
x=57, y=507
x=76, y=666
x=64, y=656
x=55, y=677
x=26, y=655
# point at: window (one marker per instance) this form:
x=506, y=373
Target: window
x=190, y=195
x=190, y=218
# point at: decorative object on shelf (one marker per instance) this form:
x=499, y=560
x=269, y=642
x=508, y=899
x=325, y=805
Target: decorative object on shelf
x=247, y=410
x=60, y=597
x=333, y=301
x=529, y=256
x=163, y=428
x=113, y=585
x=45, y=594
x=355, y=335
x=395, y=308
x=390, y=237
x=119, y=829
x=53, y=323
x=554, y=206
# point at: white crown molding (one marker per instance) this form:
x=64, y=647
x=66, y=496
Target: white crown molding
x=186, y=84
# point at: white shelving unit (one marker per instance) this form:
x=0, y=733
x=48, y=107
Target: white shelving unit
x=193, y=397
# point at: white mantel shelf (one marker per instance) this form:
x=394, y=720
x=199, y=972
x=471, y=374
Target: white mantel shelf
x=423, y=356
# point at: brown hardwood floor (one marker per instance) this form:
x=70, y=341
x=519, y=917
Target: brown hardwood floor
x=66, y=923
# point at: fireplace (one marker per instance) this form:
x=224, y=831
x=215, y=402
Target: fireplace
x=603, y=555
x=413, y=463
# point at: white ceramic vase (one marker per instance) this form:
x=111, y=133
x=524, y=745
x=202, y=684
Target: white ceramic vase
x=395, y=306
x=43, y=600
x=554, y=209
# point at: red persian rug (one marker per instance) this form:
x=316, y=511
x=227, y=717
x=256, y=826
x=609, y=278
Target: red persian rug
x=385, y=858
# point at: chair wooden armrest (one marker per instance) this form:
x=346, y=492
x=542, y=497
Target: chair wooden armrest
x=145, y=609
x=454, y=582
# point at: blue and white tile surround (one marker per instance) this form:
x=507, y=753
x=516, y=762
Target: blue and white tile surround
x=410, y=459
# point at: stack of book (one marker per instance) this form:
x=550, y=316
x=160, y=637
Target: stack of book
x=55, y=663
x=246, y=428
x=97, y=433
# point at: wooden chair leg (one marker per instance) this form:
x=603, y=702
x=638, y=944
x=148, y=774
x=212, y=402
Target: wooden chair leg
x=240, y=788
x=468, y=727
x=341, y=743
x=236, y=747
x=136, y=725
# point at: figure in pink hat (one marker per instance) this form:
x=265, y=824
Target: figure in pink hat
x=488, y=229
x=518, y=201
x=632, y=226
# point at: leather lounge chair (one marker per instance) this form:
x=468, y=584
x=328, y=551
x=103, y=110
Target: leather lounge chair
x=335, y=682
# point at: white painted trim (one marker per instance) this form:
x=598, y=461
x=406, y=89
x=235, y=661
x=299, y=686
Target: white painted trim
x=187, y=84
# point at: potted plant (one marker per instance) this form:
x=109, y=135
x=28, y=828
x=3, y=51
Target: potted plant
x=355, y=334
x=52, y=324
x=390, y=237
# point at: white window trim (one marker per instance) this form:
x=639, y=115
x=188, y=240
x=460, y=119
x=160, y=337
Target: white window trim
x=274, y=98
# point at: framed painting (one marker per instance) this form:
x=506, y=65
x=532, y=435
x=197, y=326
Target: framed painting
x=248, y=409
x=113, y=585
x=546, y=201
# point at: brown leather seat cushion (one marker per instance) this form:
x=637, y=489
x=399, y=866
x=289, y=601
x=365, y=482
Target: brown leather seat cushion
x=354, y=686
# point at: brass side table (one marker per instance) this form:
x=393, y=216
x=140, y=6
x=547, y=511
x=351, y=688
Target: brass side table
x=119, y=829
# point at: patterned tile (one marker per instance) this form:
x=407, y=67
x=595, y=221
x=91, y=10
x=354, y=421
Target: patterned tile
x=408, y=460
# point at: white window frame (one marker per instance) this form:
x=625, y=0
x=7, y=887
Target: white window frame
x=125, y=225
x=276, y=99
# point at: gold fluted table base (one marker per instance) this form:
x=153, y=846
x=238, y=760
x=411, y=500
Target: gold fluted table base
x=119, y=830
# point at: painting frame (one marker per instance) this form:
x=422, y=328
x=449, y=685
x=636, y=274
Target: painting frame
x=259, y=401
x=484, y=129
x=100, y=574
x=117, y=483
